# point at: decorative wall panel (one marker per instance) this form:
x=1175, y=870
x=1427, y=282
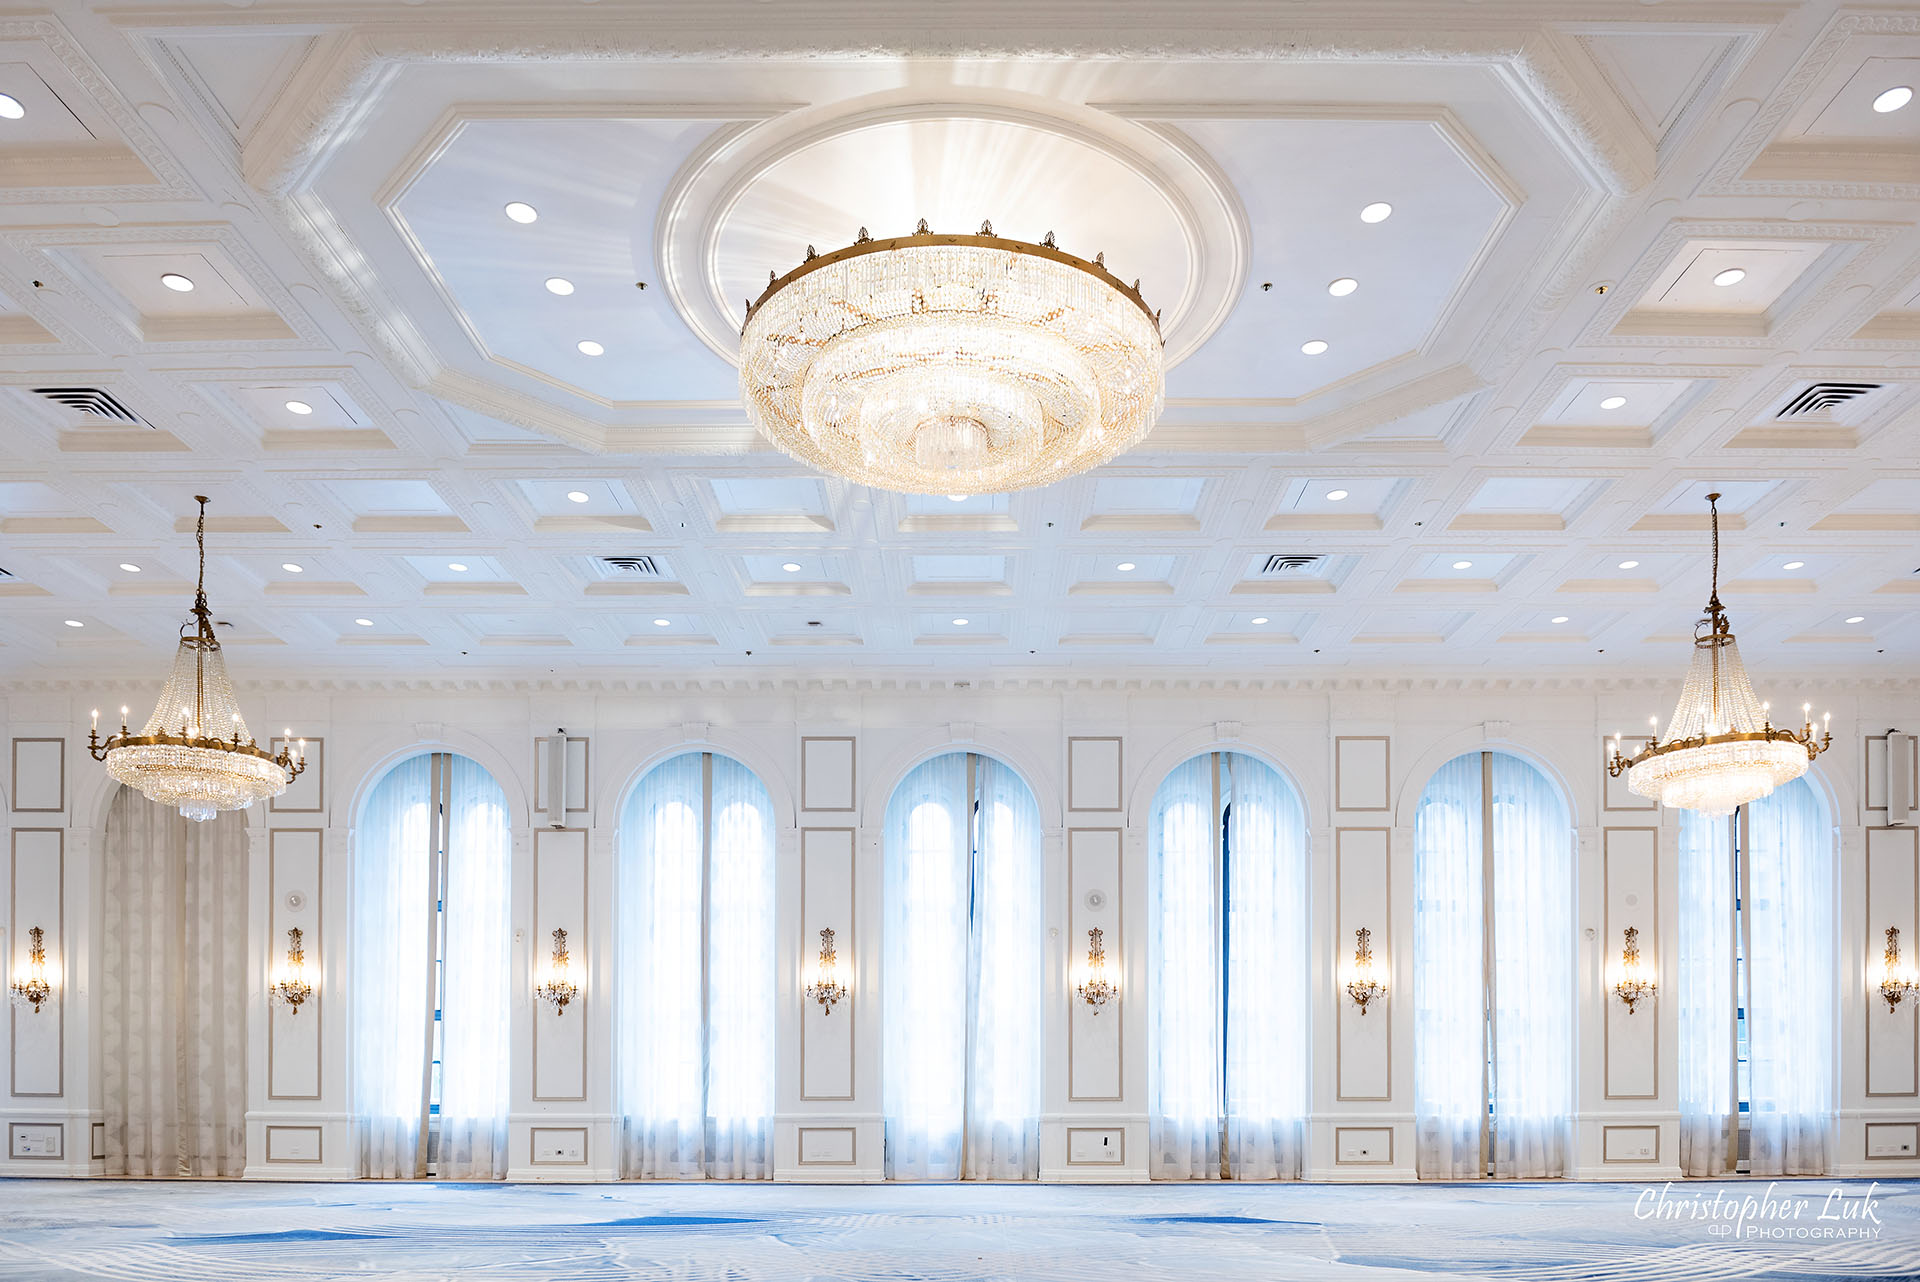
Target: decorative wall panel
x=1363, y=897
x=294, y=890
x=307, y=794
x=827, y=775
x=1893, y=899
x=560, y=902
x=39, y=776
x=1094, y=773
x=1631, y=868
x=827, y=903
x=1095, y=1060
x=37, y=881
x=1362, y=772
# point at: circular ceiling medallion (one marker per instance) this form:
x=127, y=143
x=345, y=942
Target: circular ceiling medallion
x=754, y=205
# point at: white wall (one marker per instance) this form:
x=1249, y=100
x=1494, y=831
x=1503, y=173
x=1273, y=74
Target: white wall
x=830, y=754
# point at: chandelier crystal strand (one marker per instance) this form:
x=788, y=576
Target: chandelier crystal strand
x=933, y=364
x=1721, y=749
x=195, y=752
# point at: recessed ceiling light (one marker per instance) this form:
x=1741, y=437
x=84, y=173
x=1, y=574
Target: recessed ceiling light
x=1377, y=212
x=130, y=567
x=299, y=407
x=590, y=348
x=791, y=567
x=1889, y=100
x=1463, y=565
x=1612, y=402
x=1124, y=566
x=576, y=496
x=1857, y=618
x=456, y=567
x=1314, y=346
x=1559, y=618
x=956, y=498
x=291, y=568
x=1334, y=496
x=1342, y=287
x=663, y=623
x=365, y=623
x=10, y=108
x=176, y=282
x=1629, y=565
x=1793, y=565
x=75, y=623
x=1260, y=621
x=521, y=212
x=559, y=285
x=959, y=623
x=1731, y=276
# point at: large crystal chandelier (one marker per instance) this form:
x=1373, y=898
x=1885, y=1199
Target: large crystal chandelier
x=1721, y=749
x=933, y=364
x=195, y=752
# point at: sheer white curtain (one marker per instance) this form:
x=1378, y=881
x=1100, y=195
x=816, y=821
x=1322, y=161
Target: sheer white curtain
x=1790, y=981
x=1005, y=979
x=924, y=957
x=741, y=979
x=1532, y=972
x=1449, y=1019
x=1267, y=927
x=661, y=1053
x=173, y=981
x=475, y=1055
x=1705, y=993
x=1183, y=978
x=392, y=970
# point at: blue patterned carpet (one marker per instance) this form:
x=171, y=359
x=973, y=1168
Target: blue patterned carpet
x=51, y=1229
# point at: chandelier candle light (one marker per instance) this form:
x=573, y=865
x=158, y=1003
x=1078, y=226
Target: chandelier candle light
x=826, y=987
x=1895, y=981
x=558, y=989
x=292, y=987
x=1721, y=749
x=1096, y=990
x=1364, y=988
x=936, y=364
x=195, y=752
x=1632, y=987
x=36, y=988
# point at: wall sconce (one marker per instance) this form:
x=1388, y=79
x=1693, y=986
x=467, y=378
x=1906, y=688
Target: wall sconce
x=36, y=988
x=1365, y=988
x=1895, y=982
x=558, y=989
x=292, y=987
x=826, y=987
x=1632, y=987
x=1096, y=990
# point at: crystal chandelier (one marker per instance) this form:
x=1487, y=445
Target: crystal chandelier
x=931, y=364
x=1721, y=750
x=195, y=752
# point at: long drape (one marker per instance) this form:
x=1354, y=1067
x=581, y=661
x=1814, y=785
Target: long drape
x=1705, y=993
x=695, y=1001
x=1183, y=978
x=1003, y=990
x=1449, y=1018
x=1790, y=981
x=477, y=992
x=173, y=983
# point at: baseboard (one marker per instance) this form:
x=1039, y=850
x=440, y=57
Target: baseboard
x=828, y=1175
x=1876, y=1169
x=1635, y=1173
x=561, y=1175
x=1091, y=1175
x=282, y=1173
x=1360, y=1175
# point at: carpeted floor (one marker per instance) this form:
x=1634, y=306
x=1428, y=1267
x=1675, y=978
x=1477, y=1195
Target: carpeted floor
x=1550, y=1232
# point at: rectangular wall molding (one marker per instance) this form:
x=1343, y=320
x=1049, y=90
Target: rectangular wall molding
x=39, y=776
x=1363, y=897
x=1095, y=773
x=1635, y=1145
x=1630, y=870
x=306, y=795
x=295, y=1041
x=1362, y=772
x=560, y=899
x=1096, y=1041
x=1892, y=899
x=1873, y=781
x=37, y=881
x=827, y=773
x=1363, y=1145
x=296, y=1145
x=1615, y=795
x=557, y=1146
x=827, y=903
x=579, y=766
x=36, y=1141
x=829, y=1145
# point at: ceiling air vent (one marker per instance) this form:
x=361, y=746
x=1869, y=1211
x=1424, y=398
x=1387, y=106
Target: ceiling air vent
x=643, y=566
x=1822, y=398
x=1290, y=563
x=89, y=400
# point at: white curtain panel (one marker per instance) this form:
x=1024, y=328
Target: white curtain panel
x=742, y=983
x=924, y=965
x=1449, y=1021
x=392, y=963
x=1006, y=978
x=1183, y=978
x=1268, y=923
x=1705, y=992
x=1533, y=948
x=1790, y=981
x=475, y=1053
x=173, y=983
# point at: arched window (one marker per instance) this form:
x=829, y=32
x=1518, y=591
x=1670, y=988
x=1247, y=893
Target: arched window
x=696, y=989
x=432, y=971
x=962, y=973
x=1756, y=987
x=1228, y=927
x=1493, y=993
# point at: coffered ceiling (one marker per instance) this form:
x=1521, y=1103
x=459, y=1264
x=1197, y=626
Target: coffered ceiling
x=438, y=303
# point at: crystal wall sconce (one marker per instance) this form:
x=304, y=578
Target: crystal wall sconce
x=1365, y=987
x=292, y=988
x=1633, y=987
x=36, y=989
x=826, y=987
x=558, y=989
x=1096, y=990
x=1895, y=981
